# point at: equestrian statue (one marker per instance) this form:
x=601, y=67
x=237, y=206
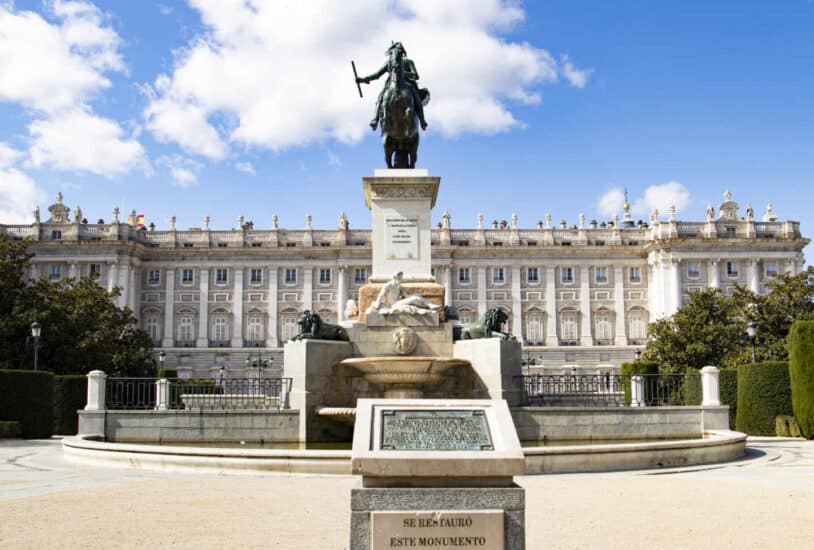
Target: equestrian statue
x=399, y=107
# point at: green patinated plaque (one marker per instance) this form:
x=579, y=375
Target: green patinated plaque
x=435, y=430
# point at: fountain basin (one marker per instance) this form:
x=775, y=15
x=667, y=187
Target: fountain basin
x=403, y=377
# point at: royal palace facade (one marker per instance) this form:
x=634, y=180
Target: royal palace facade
x=577, y=297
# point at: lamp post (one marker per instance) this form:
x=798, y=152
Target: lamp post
x=36, y=330
x=258, y=364
x=751, y=335
x=161, y=357
x=637, y=355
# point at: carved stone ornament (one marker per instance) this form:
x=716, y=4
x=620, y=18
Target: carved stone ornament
x=402, y=192
x=59, y=212
x=405, y=340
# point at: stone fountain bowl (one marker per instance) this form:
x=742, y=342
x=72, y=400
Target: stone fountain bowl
x=403, y=376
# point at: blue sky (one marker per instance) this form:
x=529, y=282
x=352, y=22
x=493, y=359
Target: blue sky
x=229, y=107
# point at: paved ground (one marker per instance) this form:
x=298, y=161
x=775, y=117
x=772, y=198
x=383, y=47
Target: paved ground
x=764, y=501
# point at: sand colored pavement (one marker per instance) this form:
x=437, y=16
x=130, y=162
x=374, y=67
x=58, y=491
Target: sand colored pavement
x=764, y=501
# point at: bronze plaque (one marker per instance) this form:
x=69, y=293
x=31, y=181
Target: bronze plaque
x=435, y=430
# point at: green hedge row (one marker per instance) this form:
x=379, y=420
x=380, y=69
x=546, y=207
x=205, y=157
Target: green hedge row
x=70, y=395
x=728, y=386
x=28, y=397
x=763, y=393
x=634, y=369
x=801, y=375
x=786, y=426
x=9, y=429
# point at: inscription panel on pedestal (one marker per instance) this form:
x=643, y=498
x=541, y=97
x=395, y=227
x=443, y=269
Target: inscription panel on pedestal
x=401, y=238
x=435, y=430
x=482, y=529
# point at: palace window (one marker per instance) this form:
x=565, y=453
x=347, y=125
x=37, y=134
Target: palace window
x=290, y=275
x=567, y=274
x=602, y=326
x=324, y=276
x=154, y=277
x=693, y=270
x=731, y=269
x=498, y=275
x=730, y=232
x=463, y=275
x=95, y=269
x=634, y=274
x=152, y=327
x=220, y=327
x=187, y=276
x=185, y=328
x=601, y=274
x=533, y=275
x=770, y=269
x=56, y=235
x=534, y=327
x=254, y=328
x=637, y=325
x=56, y=272
x=569, y=331
x=465, y=316
x=289, y=327
x=360, y=275
x=256, y=276
x=221, y=276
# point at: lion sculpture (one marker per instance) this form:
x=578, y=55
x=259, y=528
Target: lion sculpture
x=312, y=328
x=487, y=326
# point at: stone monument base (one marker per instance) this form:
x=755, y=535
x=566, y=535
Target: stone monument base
x=433, y=292
x=476, y=517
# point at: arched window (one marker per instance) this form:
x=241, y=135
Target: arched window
x=186, y=328
x=220, y=327
x=534, y=327
x=465, y=315
x=569, y=326
x=152, y=325
x=602, y=326
x=254, y=328
x=288, y=325
x=637, y=324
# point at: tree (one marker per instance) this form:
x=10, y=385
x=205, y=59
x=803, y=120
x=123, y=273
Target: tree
x=705, y=331
x=82, y=329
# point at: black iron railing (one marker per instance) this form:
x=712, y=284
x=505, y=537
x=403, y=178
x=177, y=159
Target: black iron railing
x=609, y=390
x=210, y=394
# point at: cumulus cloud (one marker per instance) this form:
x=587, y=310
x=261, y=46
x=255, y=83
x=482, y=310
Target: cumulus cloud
x=277, y=75
x=578, y=78
x=611, y=202
x=18, y=196
x=661, y=196
x=245, y=167
x=54, y=67
x=183, y=171
x=8, y=155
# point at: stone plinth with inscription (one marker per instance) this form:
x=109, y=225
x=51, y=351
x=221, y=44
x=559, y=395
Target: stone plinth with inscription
x=436, y=474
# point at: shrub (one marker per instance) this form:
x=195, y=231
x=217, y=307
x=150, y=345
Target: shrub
x=801, y=375
x=28, y=397
x=168, y=373
x=633, y=369
x=693, y=393
x=728, y=386
x=9, y=429
x=763, y=394
x=786, y=426
x=70, y=395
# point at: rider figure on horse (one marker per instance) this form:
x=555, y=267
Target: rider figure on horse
x=395, y=54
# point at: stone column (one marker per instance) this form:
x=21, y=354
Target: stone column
x=96, y=391
x=124, y=272
x=551, y=306
x=619, y=299
x=652, y=291
x=481, y=278
x=34, y=274
x=203, y=307
x=637, y=391
x=585, y=338
x=169, y=308
x=752, y=278
x=710, y=387
x=448, y=285
x=72, y=271
x=675, y=285
x=112, y=275
x=341, y=293
x=307, y=287
x=714, y=274
x=162, y=394
x=271, y=329
x=133, y=296
x=517, y=305
x=237, y=308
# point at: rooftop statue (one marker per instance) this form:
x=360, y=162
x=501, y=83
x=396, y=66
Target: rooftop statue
x=399, y=107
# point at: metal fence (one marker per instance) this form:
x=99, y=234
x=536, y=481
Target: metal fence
x=609, y=390
x=184, y=394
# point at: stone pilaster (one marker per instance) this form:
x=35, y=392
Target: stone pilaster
x=752, y=278
x=620, y=338
x=237, y=308
x=714, y=275
x=585, y=337
x=481, y=279
x=307, y=287
x=341, y=292
x=271, y=339
x=517, y=304
x=169, y=308
x=448, y=285
x=203, y=307
x=551, y=306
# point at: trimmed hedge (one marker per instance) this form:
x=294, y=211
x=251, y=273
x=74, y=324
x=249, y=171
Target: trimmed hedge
x=633, y=369
x=9, y=429
x=763, y=393
x=801, y=375
x=70, y=395
x=786, y=426
x=728, y=386
x=167, y=373
x=28, y=397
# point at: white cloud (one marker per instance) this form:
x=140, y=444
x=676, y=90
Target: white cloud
x=18, y=197
x=245, y=167
x=611, y=202
x=54, y=66
x=334, y=159
x=165, y=10
x=578, y=78
x=8, y=155
x=662, y=196
x=79, y=140
x=183, y=171
x=279, y=73
x=183, y=177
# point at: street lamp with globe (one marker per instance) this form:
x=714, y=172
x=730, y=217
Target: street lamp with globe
x=36, y=330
